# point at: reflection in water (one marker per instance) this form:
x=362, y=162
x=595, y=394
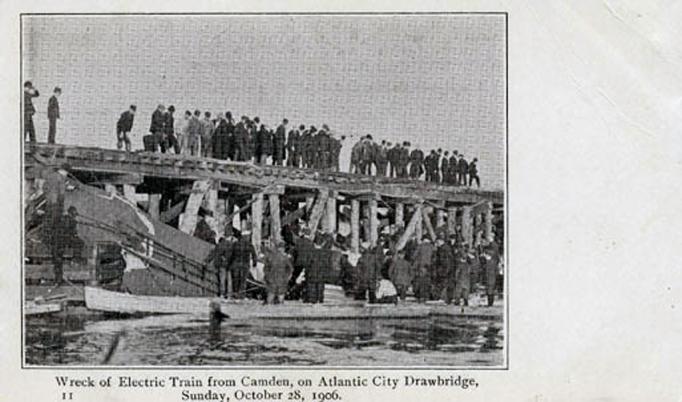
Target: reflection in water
x=182, y=340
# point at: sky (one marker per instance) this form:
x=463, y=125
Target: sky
x=437, y=81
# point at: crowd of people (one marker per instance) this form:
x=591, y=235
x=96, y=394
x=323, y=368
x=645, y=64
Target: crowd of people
x=298, y=268
x=220, y=136
x=399, y=160
x=250, y=139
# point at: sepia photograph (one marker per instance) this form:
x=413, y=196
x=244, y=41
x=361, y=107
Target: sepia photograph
x=265, y=190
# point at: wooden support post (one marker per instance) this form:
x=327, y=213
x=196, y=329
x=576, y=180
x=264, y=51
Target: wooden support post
x=373, y=221
x=257, y=221
x=153, y=208
x=452, y=220
x=488, y=228
x=330, y=216
x=400, y=215
x=188, y=219
x=129, y=193
x=355, y=225
x=409, y=230
x=309, y=200
x=427, y=222
x=467, y=225
x=440, y=215
x=418, y=230
x=316, y=213
x=275, y=225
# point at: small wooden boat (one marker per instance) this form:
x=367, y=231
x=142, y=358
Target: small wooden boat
x=109, y=301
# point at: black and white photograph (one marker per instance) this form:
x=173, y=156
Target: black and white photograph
x=265, y=190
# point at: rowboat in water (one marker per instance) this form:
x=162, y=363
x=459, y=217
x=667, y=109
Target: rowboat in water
x=116, y=302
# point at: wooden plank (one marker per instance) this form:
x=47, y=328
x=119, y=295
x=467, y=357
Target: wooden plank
x=467, y=225
x=400, y=215
x=418, y=230
x=426, y=219
x=488, y=222
x=409, y=231
x=172, y=213
x=316, y=213
x=452, y=220
x=330, y=214
x=293, y=216
x=257, y=221
x=275, y=224
x=355, y=225
x=154, y=204
x=129, y=193
x=188, y=219
x=373, y=222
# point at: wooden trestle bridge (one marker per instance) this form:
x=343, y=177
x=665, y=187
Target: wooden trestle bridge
x=272, y=196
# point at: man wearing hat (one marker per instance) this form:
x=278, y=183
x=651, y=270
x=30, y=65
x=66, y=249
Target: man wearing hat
x=445, y=168
x=473, y=173
x=454, y=169
x=29, y=93
x=170, y=140
x=403, y=160
x=277, y=270
x=381, y=158
x=123, y=127
x=156, y=128
x=243, y=257
x=416, y=163
x=293, y=146
x=53, y=115
x=463, y=170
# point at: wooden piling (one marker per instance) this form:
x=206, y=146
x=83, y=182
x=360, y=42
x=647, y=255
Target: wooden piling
x=400, y=215
x=154, y=205
x=355, y=225
x=373, y=221
x=330, y=216
x=467, y=225
x=257, y=220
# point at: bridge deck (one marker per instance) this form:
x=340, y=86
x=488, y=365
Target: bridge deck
x=246, y=174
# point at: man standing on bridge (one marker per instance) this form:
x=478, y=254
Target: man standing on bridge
x=123, y=127
x=29, y=93
x=53, y=115
x=156, y=128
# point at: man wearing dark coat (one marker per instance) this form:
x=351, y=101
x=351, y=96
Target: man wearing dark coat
x=279, y=144
x=123, y=127
x=473, y=173
x=53, y=115
x=29, y=93
x=277, y=271
x=401, y=273
x=416, y=163
x=381, y=158
x=171, y=141
x=444, y=260
x=243, y=257
x=314, y=275
x=454, y=168
x=240, y=139
x=222, y=257
x=369, y=272
x=293, y=151
x=403, y=160
x=157, y=127
x=463, y=168
x=491, y=258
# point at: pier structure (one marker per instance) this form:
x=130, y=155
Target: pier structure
x=177, y=186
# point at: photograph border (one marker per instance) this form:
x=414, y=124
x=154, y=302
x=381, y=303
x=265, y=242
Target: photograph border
x=506, y=324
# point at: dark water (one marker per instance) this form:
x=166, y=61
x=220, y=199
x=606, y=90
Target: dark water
x=185, y=340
